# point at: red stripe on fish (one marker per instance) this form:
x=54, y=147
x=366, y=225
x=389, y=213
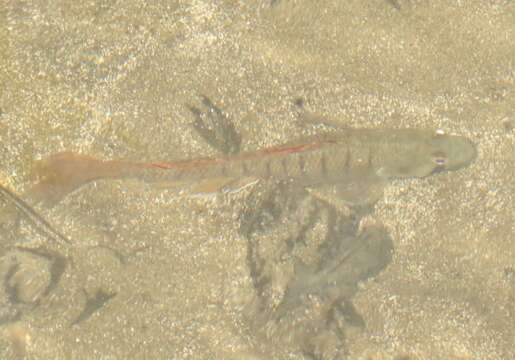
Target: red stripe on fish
x=279, y=150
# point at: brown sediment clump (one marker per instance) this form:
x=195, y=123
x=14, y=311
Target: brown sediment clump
x=19, y=336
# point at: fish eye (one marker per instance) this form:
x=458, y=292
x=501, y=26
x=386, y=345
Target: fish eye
x=439, y=158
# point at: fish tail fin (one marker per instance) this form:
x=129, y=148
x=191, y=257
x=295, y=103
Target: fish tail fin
x=62, y=173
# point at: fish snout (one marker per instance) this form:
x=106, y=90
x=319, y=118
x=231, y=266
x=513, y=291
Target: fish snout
x=460, y=152
x=464, y=153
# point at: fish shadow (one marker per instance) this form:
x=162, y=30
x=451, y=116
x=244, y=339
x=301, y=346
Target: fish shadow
x=306, y=260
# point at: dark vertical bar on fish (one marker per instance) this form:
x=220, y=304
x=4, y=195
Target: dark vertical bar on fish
x=268, y=170
x=245, y=168
x=301, y=162
x=346, y=164
x=323, y=165
x=284, y=165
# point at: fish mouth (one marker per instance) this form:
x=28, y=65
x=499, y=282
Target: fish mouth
x=462, y=154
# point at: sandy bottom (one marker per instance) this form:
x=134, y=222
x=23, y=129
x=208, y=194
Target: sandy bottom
x=155, y=273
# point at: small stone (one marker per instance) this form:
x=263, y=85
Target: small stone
x=19, y=336
x=28, y=277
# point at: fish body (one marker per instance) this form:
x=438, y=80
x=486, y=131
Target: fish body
x=326, y=158
x=349, y=156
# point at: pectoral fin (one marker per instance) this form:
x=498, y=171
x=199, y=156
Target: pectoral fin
x=211, y=185
x=223, y=184
x=309, y=118
x=216, y=128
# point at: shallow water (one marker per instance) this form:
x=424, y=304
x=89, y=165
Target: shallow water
x=159, y=274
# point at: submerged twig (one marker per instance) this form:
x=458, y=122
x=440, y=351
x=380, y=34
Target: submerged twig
x=33, y=217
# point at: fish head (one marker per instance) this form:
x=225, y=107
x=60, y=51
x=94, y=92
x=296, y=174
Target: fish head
x=451, y=152
x=424, y=153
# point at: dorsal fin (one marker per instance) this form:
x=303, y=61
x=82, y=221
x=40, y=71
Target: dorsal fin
x=307, y=117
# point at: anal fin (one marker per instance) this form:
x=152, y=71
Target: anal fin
x=211, y=185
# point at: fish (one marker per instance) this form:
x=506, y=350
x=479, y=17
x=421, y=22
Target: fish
x=355, y=161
